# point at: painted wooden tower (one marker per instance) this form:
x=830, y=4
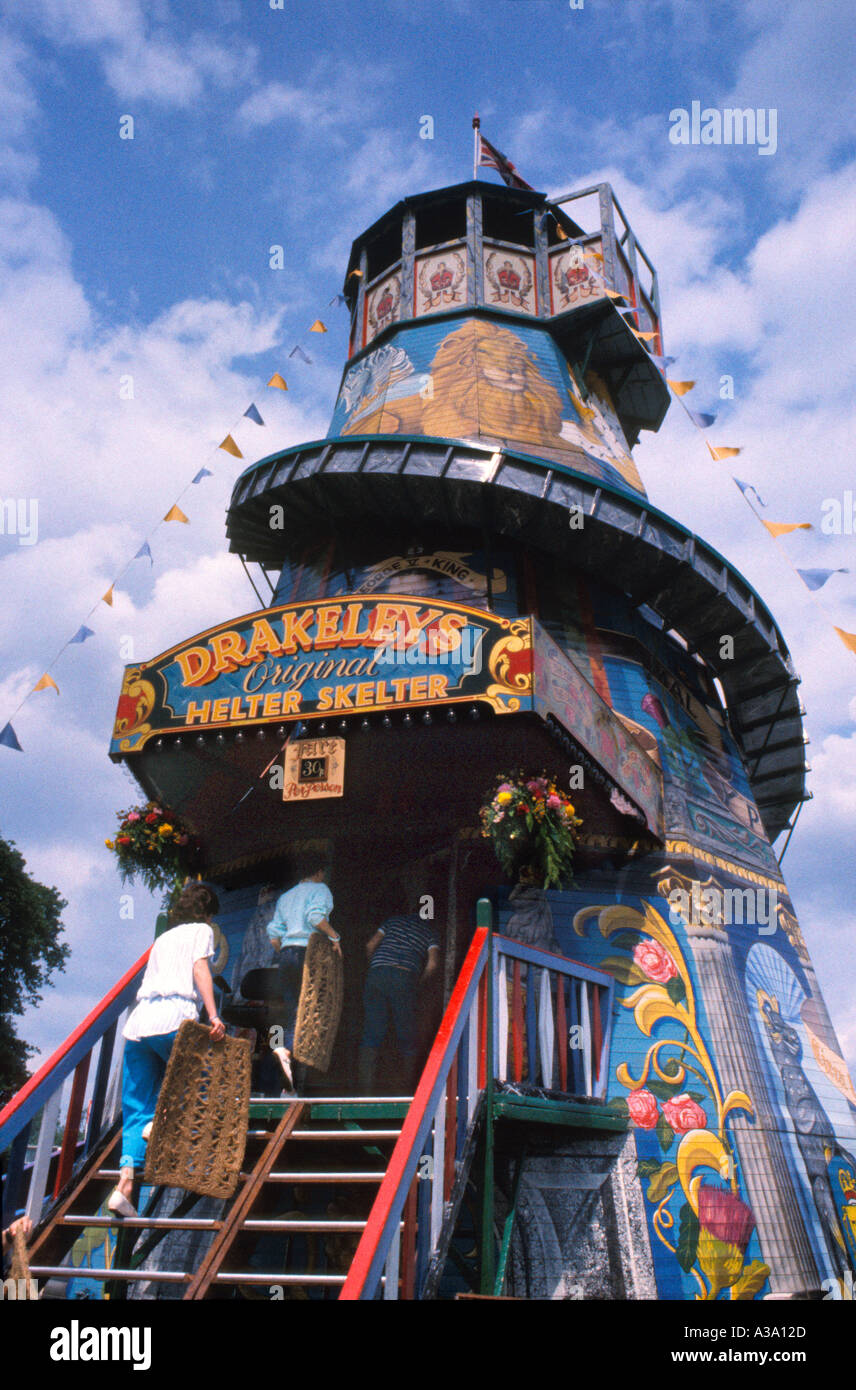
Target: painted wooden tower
x=635, y=1090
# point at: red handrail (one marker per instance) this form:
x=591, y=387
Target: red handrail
x=64, y=1048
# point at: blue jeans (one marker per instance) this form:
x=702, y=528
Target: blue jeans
x=143, y=1068
x=390, y=998
x=290, y=965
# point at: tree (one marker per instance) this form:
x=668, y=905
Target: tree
x=30, y=951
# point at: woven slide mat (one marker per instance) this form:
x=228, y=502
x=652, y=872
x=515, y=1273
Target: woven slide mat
x=200, y=1125
x=320, y=1005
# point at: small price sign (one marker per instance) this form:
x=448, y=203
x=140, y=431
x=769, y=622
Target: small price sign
x=314, y=768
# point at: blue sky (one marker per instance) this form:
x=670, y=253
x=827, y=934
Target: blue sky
x=297, y=127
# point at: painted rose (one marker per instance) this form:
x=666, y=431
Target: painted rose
x=131, y=817
x=123, y=839
x=151, y=818
x=654, y=960
x=683, y=1114
x=643, y=1109
x=503, y=798
x=554, y=803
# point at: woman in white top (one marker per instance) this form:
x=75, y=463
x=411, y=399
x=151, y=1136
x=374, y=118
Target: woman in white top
x=176, y=982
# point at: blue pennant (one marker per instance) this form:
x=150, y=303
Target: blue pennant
x=144, y=551
x=747, y=487
x=815, y=579
x=81, y=635
x=699, y=418
x=9, y=738
x=252, y=414
x=297, y=351
x=203, y=473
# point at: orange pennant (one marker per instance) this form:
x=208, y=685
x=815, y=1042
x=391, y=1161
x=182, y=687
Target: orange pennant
x=46, y=683
x=358, y=273
x=723, y=452
x=848, y=638
x=782, y=528
x=613, y=294
x=108, y=597
x=277, y=381
x=176, y=514
x=231, y=447
x=318, y=327
x=680, y=388
x=646, y=337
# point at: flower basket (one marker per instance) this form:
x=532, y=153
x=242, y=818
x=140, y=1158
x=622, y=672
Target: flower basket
x=152, y=846
x=531, y=825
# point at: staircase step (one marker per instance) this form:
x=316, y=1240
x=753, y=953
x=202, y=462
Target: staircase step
x=163, y=1276
x=154, y=1223
x=296, y=1176
x=190, y=1223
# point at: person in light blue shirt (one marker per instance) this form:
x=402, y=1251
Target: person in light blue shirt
x=303, y=909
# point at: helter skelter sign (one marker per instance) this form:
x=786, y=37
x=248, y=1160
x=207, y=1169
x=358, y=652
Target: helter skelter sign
x=360, y=654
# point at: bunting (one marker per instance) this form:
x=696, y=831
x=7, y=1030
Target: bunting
x=848, y=638
x=783, y=528
x=815, y=579
x=9, y=739
x=230, y=447
x=746, y=488
x=680, y=388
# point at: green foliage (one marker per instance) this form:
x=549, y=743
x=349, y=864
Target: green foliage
x=30, y=951
x=665, y=1133
x=687, y=1238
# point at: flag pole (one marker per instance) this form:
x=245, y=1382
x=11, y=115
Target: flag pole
x=476, y=129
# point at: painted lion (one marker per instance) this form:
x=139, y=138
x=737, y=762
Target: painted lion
x=483, y=380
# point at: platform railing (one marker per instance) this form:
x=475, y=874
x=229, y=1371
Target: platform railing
x=550, y=1029
x=65, y=1135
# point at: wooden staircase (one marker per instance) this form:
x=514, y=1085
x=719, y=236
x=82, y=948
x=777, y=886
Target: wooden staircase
x=338, y=1147
x=353, y=1198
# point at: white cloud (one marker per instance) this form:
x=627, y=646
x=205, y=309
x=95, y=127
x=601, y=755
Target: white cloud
x=140, y=58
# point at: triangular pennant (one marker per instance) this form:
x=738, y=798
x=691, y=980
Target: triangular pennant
x=46, y=683
x=297, y=351
x=645, y=337
x=358, y=273
x=560, y=232
x=337, y=300
x=663, y=362
x=144, y=552
x=203, y=473
x=81, y=635
x=318, y=327
x=783, y=528
x=699, y=418
x=231, y=447
x=680, y=388
x=251, y=413
x=108, y=597
x=815, y=579
x=176, y=514
x=9, y=738
x=848, y=638
x=748, y=487
x=277, y=381
x=723, y=452
x=613, y=294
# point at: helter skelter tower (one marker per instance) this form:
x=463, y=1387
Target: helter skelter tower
x=467, y=578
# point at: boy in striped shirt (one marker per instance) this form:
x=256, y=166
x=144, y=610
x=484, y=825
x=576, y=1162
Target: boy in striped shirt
x=404, y=954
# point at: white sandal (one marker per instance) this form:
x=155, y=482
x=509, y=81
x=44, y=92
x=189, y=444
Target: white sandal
x=285, y=1062
x=119, y=1205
